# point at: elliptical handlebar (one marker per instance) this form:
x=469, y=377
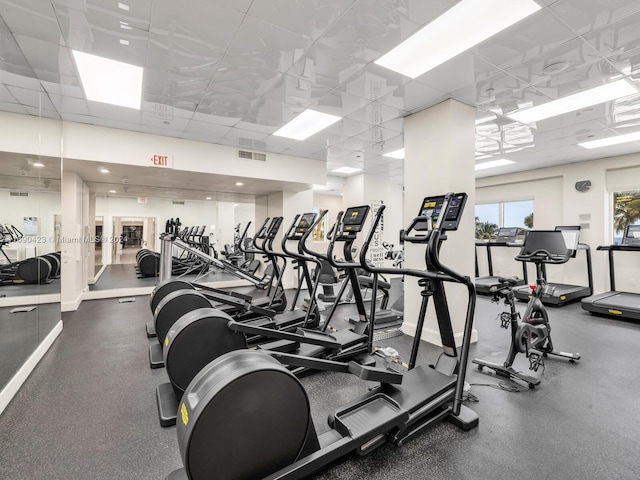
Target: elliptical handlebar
x=338, y=234
x=305, y=236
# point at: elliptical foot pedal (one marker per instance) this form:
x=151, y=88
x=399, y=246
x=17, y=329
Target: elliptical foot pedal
x=156, y=359
x=167, y=405
x=151, y=330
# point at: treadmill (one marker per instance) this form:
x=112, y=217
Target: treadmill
x=561, y=293
x=616, y=303
x=507, y=237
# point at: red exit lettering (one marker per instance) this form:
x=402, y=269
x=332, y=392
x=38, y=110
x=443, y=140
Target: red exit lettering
x=160, y=160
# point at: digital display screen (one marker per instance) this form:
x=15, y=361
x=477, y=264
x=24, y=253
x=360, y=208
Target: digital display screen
x=633, y=231
x=431, y=207
x=354, y=218
x=274, y=227
x=507, y=232
x=306, y=220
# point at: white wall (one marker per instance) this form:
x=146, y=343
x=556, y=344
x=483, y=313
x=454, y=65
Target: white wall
x=556, y=202
x=43, y=205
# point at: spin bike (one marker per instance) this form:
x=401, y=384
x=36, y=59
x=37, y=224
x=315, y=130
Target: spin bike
x=531, y=336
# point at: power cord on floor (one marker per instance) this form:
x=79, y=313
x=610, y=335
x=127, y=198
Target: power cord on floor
x=506, y=386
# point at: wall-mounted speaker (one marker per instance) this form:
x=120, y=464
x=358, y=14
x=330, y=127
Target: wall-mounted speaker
x=583, y=185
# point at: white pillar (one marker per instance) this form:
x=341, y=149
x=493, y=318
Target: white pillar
x=440, y=158
x=70, y=245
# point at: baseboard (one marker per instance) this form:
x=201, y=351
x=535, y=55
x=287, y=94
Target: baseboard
x=433, y=336
x=29, y=300
x=10, y=390
x=71, y=306
x=97, y=275
x=138, y=291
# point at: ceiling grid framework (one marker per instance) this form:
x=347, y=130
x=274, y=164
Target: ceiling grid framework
x=233, y=73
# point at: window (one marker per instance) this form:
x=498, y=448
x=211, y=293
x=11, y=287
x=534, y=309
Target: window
x=492, y=216
x=319, y=233
x=626, y=211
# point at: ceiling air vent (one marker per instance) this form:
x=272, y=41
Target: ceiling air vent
x=178, y=202
x=247, y=155
x=18, y=194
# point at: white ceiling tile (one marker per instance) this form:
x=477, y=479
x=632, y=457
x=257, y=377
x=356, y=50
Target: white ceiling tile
x=31, y=98
x=462, y=70
x=71, y=105
x=571, y=56
x=261, y=44
x=113, y=112
x=207, y=129
x=12, y=107
x=584, y=16
x=32, y=18
x=370, y=29
x=307, y=19
x=215, y=119
x=41, y=112
x=529, y=38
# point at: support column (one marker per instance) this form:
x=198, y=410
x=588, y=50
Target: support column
x=71, y=237
x=440, y=158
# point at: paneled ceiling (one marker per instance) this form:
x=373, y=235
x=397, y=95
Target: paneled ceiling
x=233, y=72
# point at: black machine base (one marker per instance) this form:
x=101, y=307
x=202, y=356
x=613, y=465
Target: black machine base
x=465, y=420
x=507, y=372
x=151, y=330
x=167, y=405
x=156, y=359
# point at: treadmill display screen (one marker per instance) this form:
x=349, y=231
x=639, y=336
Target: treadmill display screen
x=306, y=220
x=354, y=218
x=432, y=206
x=632, y=235
x=553, y=241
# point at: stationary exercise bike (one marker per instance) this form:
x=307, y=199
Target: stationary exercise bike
x=531, y=336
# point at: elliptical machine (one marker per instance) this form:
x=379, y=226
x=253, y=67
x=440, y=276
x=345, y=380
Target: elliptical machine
x=245, y=416
x=531, y=336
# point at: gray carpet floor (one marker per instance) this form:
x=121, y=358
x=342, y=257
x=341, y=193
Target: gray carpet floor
x=88, y=410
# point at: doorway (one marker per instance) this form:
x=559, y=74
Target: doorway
x=131, y=234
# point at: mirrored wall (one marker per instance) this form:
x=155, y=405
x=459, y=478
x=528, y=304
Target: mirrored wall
x=29, y=256
x=126, y=212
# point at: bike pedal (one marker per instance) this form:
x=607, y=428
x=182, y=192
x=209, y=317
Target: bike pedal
x=535, y=361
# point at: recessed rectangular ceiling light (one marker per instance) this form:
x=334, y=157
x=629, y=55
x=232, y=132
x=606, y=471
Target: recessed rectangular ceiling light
x=605, y=142
x=577, y=101
x=346, y=170
x=399, y=154
x=123, y=6
x=109, y=81
x=461, y=27
x=306, y=124
x=493, y=163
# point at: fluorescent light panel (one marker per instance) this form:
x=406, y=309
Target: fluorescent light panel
x=577, y=101
x=38, y=165
x=493, y=164
x=399, y=154
x=346, y=170
x=109, y=81
x=306, y=124
x=606, y=142
x=458, y=29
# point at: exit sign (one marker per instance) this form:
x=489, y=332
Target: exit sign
x=161, y=160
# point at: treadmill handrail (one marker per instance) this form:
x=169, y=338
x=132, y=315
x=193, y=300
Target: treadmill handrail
x=622, y=248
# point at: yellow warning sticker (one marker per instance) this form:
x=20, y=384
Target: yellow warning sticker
x=563, y=297
x=166, y=340
x=615, y=312
x=185, y=414
x=429, y=204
